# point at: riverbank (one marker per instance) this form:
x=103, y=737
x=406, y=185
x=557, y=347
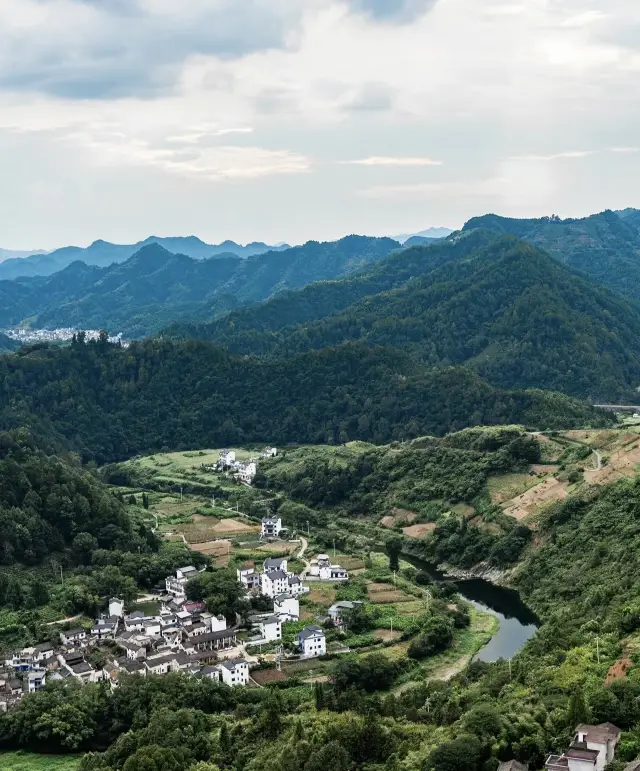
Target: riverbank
x=467, y=644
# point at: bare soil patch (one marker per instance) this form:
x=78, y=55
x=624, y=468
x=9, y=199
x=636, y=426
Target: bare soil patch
x=548, y=491
x=279, y=547
x=621, y=463
x=618, y=671
x=265, y=676
x=544, y=468
x=234, y=526
x=398, y=517
x=390, y=595
x=419, y=531
x=322, y=595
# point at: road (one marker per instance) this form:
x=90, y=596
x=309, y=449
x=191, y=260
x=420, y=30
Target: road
x=300, y=555
x=64, y=620
x=599, y=457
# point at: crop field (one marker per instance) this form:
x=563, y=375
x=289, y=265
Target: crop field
x=419, y=531
x=26, y=761
x=507, y=486
x=387, y=593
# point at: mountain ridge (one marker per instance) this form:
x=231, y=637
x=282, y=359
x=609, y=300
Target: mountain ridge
x=104, y=253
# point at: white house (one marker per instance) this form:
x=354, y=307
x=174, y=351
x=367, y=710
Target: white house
x=139, y=622
x=270, y=452
x=105, y=628
x=234, y=672
x=227, y=457
x=274, y=583
x=275, y=563
x=247, y=576
x=217, y=623
x=312, y=642
x=333, y=573
x=271, y=527
x=176, y=584
x=271, y=629
x=287, y=607
x=295, y=585
x=116, y=607
x=593, y=748
x=160, y=665
x=247, y=472
x=340, y=610
x=36, y=680
x=73, y=636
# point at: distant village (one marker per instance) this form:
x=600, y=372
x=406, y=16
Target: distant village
x=243, y=471
x=60, y=335
x=182, y=636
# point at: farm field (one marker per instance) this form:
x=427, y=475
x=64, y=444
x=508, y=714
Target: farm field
x=26, y=761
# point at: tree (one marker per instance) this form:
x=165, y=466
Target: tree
x=220, y=590
x=394, y=548
x=461, y=754
x=145, y=500
x=577, y=710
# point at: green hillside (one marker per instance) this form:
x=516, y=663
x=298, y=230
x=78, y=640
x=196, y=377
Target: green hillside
x=606, y=246
x=110, y=403
x=508, y=310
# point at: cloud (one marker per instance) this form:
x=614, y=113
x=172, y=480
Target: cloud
x=570, y=154
x=91, y=49
x=381, y=160
x=401, y=11
x=372, y=97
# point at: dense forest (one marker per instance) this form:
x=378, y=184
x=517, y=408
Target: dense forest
x=109, y=403
x=155, y=286
x=507, y=310
x=605, y=246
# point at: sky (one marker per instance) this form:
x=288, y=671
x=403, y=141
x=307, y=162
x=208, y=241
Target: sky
x=286, y=120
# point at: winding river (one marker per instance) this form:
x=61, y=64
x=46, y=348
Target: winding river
x=517, y=622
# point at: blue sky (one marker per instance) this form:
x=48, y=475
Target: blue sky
x=295, y=119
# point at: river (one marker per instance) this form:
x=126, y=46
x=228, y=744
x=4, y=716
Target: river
x=517, y=622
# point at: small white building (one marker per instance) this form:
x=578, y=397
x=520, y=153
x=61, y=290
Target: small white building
x=73, y=636
x=295, y=585
x=247, y=576
x=312, y=642
x=274, y=583
x=270, y=452
x=234, y=672
x=105, y=628
x=247, y=472
x=116, y=607
x=271, y=629
x=275, y=563
x=271, y=527
x=227, y=457
x=36, y=680
x=176, y=585
x=593, y=748
x=333, y=573
x=287, y=606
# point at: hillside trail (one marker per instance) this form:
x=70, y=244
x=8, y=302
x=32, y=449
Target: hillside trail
x=300, y=556
x=64, y=620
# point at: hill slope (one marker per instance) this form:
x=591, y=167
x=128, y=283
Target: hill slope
x=110, y=403
x=508, y=310
x=103, y=254
x=605, y=246
x=154, y=286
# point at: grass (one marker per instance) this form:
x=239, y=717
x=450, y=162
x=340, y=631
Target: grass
x=27, y=761
x=507, y=486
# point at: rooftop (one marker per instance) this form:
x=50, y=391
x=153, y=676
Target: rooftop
x=275, y=575
x=231, y=664
x=311, y=631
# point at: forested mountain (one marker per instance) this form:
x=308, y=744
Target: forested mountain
x=103, y=254
x=109, y=403
x=154, y=286
x=47, y=505
x=7, y=344
x=508, y=310
x=605, y=246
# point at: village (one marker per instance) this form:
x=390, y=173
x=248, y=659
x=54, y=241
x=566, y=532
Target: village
x=182, y=636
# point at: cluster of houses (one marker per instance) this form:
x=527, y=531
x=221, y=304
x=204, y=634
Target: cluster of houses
x=322, y=570
x=244, y=471
x=181, y=636
x=273, y=581
x=592, y=749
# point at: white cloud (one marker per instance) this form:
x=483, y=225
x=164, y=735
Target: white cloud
x=230, y=118
x=377, y=160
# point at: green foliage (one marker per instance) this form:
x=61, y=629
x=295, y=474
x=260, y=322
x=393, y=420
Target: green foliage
x=108, y=403
x=436, y=635
x=369, y=673
x=508, y=310
x=220, y=590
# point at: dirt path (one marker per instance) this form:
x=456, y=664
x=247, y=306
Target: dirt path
x=64, y=620
x=300, y=555
x=444, y=673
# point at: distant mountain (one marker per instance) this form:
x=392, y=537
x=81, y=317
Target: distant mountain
x=154, y=286
x=430, y=233
x=103, y=254
x=605, y=246
x=506, y=309
x=7, y=254
x=7, y=344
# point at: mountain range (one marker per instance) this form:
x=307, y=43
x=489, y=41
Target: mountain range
x=494, y=303
x=154, y=287
x=103, y=254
